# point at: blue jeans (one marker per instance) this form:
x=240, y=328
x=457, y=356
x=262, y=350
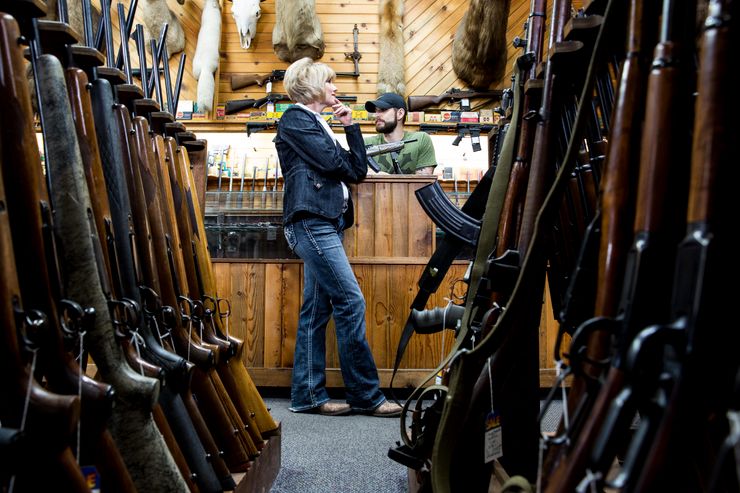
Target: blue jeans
x=329, y=284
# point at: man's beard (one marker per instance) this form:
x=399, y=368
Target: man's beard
x=386, y=127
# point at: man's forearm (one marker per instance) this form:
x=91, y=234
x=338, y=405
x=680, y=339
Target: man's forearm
x=426, y=170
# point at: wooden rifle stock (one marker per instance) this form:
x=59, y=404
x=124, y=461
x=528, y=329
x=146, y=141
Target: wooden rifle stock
x=254, y=402
x=656, y=232
x=40, y=278
x=147, y=246
x=147, y=457
x=617, y=216
x=244, y=80
x=689, y=435
x=51, y=417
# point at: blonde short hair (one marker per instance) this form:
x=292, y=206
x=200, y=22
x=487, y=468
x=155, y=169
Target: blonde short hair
x=304, y=80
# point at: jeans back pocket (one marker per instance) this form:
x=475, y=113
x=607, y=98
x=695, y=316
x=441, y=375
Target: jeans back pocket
x=289, y=233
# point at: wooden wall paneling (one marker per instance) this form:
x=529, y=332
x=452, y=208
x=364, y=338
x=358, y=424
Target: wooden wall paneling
x=429, y=27
x=378, y=332
x=292, y=296
x=421, y=237
x=272, y=307
x=406, y=288
x=252, y=297
x=238, y=320
x=400, y=220
x=365, y=225
x=429, y=48
x=384, y=218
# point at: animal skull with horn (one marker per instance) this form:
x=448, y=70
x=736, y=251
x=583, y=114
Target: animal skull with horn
x=245, y=14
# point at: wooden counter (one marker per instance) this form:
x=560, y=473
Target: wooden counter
x=388, y=247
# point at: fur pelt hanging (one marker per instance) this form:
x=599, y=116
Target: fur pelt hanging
x=392, y=72
x=155, y=14
x=206, y=57
x=479, y=47
x=297, y=32
x=74, y=13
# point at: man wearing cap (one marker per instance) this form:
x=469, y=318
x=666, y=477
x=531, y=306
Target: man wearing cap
x=416, y=158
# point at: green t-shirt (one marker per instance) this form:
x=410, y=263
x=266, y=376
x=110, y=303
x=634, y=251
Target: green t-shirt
x=413, y=156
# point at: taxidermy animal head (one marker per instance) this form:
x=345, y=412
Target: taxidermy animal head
x=245, y=14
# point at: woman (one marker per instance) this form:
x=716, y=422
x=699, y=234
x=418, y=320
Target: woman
x=317, y=207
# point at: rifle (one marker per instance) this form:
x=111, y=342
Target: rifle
x=50, y=419
x=416, y=103
x=244, y=80
x=462, y=129
x=159, y=275
x=377, y=149
x=657, y=229
x=354, y=56
x=705, y=367
x=132, y=418
x=617, y=209
x=40, y=277
x=229, y=347
x=236, y=105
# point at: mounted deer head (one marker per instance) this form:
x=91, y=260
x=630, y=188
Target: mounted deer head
x=245, y=14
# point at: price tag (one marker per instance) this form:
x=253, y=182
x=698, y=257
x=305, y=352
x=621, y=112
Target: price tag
x=92, y=478
x=493, y=443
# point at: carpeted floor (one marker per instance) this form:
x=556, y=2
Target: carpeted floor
x=344, y=454
x=336, y=454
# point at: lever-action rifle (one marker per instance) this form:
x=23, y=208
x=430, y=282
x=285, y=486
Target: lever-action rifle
x=237, y=105
x=416, y=103
x=377, y=149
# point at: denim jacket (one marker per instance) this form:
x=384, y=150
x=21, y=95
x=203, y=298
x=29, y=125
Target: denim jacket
x=314, y=166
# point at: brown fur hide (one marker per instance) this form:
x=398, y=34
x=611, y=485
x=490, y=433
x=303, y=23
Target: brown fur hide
x=155, y=14
x=479, y=47
x=297, y=32
x=392, y=72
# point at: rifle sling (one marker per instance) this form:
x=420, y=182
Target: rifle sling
x=448, y=248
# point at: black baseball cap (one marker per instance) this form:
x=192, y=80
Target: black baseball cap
x=385, y=101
